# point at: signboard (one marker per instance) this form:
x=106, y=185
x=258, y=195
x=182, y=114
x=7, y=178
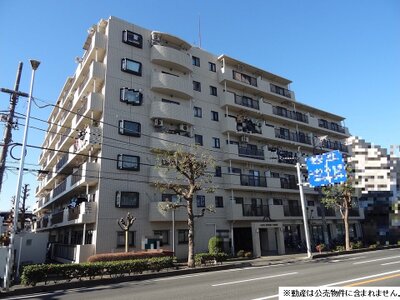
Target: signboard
x=325, y=169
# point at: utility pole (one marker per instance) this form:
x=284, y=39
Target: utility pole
x=9, y=124
x=25, y=195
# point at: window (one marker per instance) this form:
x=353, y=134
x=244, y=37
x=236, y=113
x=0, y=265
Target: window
x=196, y=86
x=212, y=67
x=121, y=238
x=277, y=201
x=245, y=78
x=201, y=201
x=214, y=116
x=195, y=61
x=127, y=199
x=216, y=142
x=128, y=162
x=132, y=38
x=310, y=203
x=163, y=235
x=169, y=198
x=131, y=96
x=213, y=90
x=183, y=236
x=198, y=139
x=170, y=101
x=218, y=171
x=131, y=66
x=198, y=112
x=219, y=201
x=129, y=128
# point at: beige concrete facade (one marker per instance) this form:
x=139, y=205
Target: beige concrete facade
x=246, y=117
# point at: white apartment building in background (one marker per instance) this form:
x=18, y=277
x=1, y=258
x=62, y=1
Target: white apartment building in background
x=137, y=90
x=377, y=182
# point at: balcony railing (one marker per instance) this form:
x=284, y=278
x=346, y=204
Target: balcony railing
x=280, y=91
x=334, y=145
x=247, y=101
x=73, y=213
x=60, y=188
x=62, y=162
x=354, y=212
x=298, y=137
x=294, y=115
x=252, y=153
x=245, y=78
x=57, y=217
x=286, y=184
x=291, y=211
x=329, y=212
x=76, y=176
x=251, y=210
x=331, y=126
x=252, y=180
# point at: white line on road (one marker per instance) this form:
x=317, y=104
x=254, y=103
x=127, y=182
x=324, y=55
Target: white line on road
x=372, y=260
x=221, y=271
x=254, y=279
x=359, y=278
x=267, y=297
x=347, y=259
x=30, y=296
x=391, y=263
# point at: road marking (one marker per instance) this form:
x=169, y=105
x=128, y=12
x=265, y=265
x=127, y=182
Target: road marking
x=359, y=278
x=372, y=260
x=391, y=263
x=254, y=279
x=346, y=259
x=267, y=297
x=373, y=280
x=221, y=271
x=31, y=296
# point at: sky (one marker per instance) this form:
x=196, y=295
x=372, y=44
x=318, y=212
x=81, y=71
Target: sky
x=342, y=56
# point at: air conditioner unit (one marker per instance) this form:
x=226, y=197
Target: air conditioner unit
x=183, y=127
x=244, y=139
x=158, y=122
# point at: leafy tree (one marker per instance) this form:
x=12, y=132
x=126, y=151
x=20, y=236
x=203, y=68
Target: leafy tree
x=340, y=196
x=190, y=170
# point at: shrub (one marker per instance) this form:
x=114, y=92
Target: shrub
x=339, y=248
x=204, y=258
x=129, y=255
x=356, y=245
x=398, y=243
x=248, y=254
x=215, y=244
x=240, y=253
x=33, y=274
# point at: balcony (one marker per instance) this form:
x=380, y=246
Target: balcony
x=169, y=141
x=240, y=154
x=169, y=111
x=281, y=157
x=180, y=87
x=331, y=126
x=288, y=184
x=292, y=211
x=281, y=91
x=91, y=140
x=298, y=137
x=171, y=58
x=157, y=214
x=57, y=218
x=241, y=80
x=252, y=180
x=242, y=212
x=329, y=211
x=91, y=108
x=334, y=145
x=87, y=174
x=290, y=114
x=242, y=102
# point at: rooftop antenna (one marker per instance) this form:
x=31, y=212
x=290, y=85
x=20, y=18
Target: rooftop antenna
x=199, y=33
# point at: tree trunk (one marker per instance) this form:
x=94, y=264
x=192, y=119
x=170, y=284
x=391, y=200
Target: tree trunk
x=346, y=227
x=126, y=240
x=191, y=262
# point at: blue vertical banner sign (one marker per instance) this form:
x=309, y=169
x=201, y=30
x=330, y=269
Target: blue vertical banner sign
x=325, y=169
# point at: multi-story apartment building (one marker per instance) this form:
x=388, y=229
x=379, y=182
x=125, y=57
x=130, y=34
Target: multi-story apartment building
x=137, y=90
x=377, y=181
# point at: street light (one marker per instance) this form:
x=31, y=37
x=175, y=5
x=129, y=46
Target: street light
x=10, y=258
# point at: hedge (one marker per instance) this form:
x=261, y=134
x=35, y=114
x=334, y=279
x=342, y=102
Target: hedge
x=33, y=274
x=129, y=255
x=204, y=258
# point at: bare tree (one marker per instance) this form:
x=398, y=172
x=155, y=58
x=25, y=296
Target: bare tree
x=125, y=224
x=192, y=173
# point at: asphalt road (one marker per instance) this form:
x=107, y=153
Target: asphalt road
x=377, y=268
